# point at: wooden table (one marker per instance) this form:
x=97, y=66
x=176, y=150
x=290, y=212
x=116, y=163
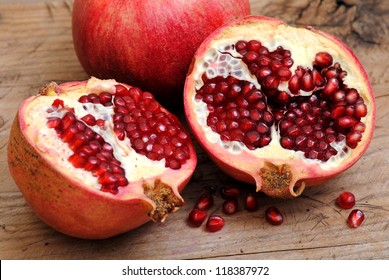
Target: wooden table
x=36, y=47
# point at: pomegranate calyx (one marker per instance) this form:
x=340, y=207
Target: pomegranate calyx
x=166, y=201
x=279, y=181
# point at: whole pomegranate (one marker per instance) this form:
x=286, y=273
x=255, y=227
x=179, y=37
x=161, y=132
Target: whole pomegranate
x=279, y=106
x=147, y=43
x=97, y=158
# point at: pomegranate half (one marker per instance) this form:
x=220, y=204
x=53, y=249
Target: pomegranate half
x=279, y=106
x=98, y=158
x=147, y=43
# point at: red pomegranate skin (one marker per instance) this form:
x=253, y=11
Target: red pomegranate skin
x=68, y=205
x=147, y=43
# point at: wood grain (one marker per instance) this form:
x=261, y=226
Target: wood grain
x=36, y=47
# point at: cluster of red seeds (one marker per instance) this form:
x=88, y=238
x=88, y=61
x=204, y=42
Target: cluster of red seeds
x=273, y=215
x=152, y=132
x=270, y=67
x=346, y=200
x=238, y=111
x=91, y=152
x=230, y=196
x=306, y=123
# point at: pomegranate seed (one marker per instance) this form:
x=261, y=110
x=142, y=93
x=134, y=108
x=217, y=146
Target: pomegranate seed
x=77, y=160
x=253, y=45
x=58, y=103
x=197, y=217
x=69, y=133
x=360, y=126
x=251, y=203
x=263, y=72
x=317, y=78
x=53, y=122
x=352, y=96
x=230, y=192
x=92, y=163
x=240, y=46
x=204, y=202
x=273, y=216
x=346, y=200
x=331, y=86
x=230, y=206
x=68, y=120
x=89, y=119
x=84, y=99
x=355, y=218
x=360, y=110
x=323, y=59
x=294, y=84
x=286, y=142
x=215, y=223
x=306, y=83
x=105, y=98
x=284, y=73
x=338, y=112
x=346, y=122
x=353, y=138
x=100, y=122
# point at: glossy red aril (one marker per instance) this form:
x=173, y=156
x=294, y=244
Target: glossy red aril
x=251, y=203
x=346, y=200
x=215, y=223
x=230, y=192
x=204, y=202
x=355, y=218
x=273, y=216
x=97, y=158
x=279, y=106
x=230, y=206
x=197, y=217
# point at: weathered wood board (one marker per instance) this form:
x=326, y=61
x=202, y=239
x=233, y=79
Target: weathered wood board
x=36, y=48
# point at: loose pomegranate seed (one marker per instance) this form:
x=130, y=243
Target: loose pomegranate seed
x=355, y=218
x=215, y=223
x=230, y=206
x=251, y=203
x=230, y=192
x=197, y=217
x=346, y=200
x=204, y=202
x=273, y=216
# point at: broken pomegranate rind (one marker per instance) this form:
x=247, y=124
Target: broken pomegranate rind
x=312, y=109
x=101, y=130
x=65, y=189
x=315, y=90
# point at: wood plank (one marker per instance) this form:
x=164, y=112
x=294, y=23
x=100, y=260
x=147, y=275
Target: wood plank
x=36, y=47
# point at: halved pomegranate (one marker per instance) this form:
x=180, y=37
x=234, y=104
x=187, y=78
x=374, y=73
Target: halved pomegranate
x=97, y=158
x=279, y=106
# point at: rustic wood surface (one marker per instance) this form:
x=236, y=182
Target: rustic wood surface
x=36, y=47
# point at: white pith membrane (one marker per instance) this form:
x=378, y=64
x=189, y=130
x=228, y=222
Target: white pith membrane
x=219, y=58
x=36, y=113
